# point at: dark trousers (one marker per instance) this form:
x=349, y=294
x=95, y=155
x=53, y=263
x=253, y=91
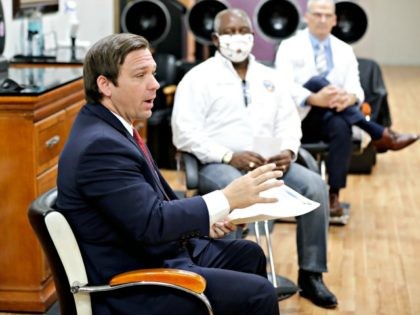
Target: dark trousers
x=334, y=128
x=235, y=273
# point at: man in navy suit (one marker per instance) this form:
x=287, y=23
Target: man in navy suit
x=124, y=214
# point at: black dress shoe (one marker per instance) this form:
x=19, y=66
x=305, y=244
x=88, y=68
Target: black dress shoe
x=285, y=288
x=313, y=288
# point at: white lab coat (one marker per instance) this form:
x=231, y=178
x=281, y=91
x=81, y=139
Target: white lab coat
x=295, y=63
x=210, y=117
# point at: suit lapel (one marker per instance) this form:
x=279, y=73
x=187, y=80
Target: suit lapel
x=157, y=179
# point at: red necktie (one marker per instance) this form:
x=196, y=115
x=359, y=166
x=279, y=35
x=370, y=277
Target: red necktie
x=149, y=160
x=142, y=146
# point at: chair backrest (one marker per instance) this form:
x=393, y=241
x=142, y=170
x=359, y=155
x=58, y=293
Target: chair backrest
x=375, y=90
x=62, y=251
x=166, y=71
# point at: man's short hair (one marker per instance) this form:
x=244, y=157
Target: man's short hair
x=105, y=58
x=310, y=3
x=234, y=11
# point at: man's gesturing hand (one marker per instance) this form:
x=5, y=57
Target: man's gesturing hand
x=245, y=190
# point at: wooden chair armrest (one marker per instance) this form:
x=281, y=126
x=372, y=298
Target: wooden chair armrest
x=169, y=92
x=169, y=89
x=186, y=279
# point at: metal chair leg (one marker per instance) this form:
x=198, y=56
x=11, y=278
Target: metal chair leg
x=284, y=287
x=257, y=233
x=270, y=257
x=270, y=253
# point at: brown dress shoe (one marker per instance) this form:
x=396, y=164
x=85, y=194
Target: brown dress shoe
x=335, y=208
x=392, y=140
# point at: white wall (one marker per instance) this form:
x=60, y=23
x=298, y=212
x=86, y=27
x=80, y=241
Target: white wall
x=96, y=21
x=392, y=37
x=393, y=34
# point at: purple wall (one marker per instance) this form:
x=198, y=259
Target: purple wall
x=264, y=49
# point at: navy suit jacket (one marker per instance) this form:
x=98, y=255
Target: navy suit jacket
x=116, y=208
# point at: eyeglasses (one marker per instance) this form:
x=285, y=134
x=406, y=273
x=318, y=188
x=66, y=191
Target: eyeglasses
x=319, y=15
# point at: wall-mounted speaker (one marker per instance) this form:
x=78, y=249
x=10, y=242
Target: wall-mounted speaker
x=2, y=30
x=159, y=21
x=4, y=64
x=277, y=20
x=200, y=19
x=352, y=21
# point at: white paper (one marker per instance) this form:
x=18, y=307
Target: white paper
x=266, y=146
x=290, y=204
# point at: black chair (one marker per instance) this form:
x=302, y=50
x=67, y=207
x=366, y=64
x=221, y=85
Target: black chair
x=159, y=133
x=189, y=165
x=68, y=270
x=376, y=102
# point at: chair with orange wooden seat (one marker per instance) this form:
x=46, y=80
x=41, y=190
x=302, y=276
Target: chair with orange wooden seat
x=68, y=269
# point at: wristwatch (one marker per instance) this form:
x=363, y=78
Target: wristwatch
x=227, y=157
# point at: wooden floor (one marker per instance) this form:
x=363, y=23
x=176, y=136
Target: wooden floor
x=373, y=264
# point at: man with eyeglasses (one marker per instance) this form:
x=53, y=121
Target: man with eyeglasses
x=225, y=102
x=323, y=78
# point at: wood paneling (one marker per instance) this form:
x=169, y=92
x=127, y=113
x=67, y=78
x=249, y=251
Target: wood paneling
x=33, y=129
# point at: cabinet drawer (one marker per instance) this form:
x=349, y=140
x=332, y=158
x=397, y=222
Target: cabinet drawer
x=71, y=113
x=50, y=135
x=46, y=180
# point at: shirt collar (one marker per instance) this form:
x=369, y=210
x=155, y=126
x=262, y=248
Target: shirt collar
x=315, y=42
x=228, y=63
x=126, y=125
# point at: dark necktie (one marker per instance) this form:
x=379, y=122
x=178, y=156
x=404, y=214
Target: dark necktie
x=149, y=160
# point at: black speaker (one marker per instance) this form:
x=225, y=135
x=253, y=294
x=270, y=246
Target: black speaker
x=2, y=30
x=200, y=19
x=4, y=63
x=276, y=20
x=352, y=21
x=159, y=21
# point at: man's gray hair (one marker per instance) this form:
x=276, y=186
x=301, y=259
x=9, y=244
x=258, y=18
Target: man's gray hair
x=234, y=11
x=310, y=3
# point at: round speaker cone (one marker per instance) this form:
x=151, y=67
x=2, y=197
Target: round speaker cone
x=147, y=18
x=277, y=20
x=2, y=30
x=200, y=19
x=351, y=22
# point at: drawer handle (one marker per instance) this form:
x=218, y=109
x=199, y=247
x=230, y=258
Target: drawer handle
x=52, y=142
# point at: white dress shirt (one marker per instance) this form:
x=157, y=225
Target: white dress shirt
x=210, y=116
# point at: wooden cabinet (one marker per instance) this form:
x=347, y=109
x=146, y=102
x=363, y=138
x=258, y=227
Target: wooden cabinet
x=33, y=130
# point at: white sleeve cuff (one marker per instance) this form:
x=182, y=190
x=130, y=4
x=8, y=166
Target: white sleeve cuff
x=217, y=205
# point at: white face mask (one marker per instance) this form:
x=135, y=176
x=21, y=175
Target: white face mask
x=236, y=47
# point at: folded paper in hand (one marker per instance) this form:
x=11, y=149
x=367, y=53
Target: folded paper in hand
x=290, y=204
